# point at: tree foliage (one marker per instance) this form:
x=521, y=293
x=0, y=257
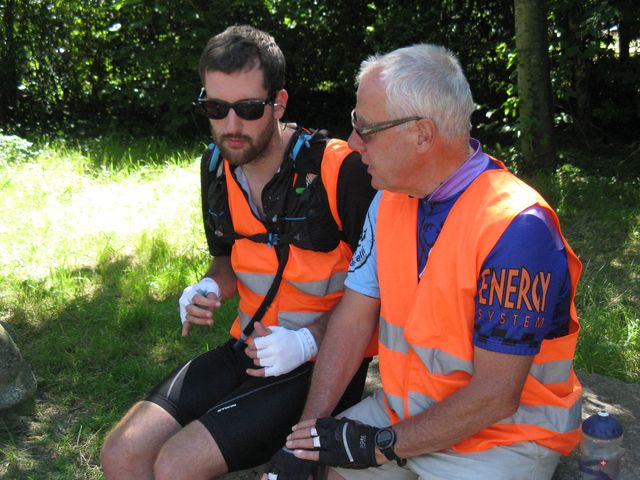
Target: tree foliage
x=100, y=65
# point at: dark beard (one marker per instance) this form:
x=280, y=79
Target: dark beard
x=253, y=150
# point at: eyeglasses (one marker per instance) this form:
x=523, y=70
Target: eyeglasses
x=245, y=109
x=377, y=127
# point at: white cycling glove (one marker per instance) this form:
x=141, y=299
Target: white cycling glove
x=204, y=286
x=283, y=350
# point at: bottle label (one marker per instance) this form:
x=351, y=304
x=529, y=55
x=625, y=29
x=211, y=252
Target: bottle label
x=600, y=469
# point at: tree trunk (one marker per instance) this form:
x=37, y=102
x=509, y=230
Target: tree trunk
x=624, y=42
x=534, y=86
x=8, y=66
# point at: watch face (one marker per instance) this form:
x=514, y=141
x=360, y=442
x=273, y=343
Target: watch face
x=384, y=438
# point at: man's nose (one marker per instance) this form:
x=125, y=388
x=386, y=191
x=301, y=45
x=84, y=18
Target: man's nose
x=233, y=121
x=355, y=141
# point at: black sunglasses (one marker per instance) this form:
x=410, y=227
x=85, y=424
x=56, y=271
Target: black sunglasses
x=245, y=109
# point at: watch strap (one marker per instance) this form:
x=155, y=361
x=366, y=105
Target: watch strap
x=388, y=451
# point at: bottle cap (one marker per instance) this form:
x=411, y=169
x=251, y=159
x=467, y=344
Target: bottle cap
x=602, y=425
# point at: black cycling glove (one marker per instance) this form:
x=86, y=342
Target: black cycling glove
x=289, y=467
x=346, y=443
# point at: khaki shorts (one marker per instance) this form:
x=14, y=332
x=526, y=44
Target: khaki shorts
x=519, y=461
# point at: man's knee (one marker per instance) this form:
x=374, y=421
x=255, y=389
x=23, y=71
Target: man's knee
x=169, y=465
x=331, y=474
x=166, y=466
x=191, y=453
x=133, y=444
x=115, y=453
x=107, y=452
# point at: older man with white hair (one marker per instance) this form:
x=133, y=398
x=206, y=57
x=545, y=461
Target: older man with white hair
x=465, y=270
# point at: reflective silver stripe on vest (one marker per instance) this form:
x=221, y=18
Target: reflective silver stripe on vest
x=295, y=320
x=396, y=404
x=557, y=419
x=258, y=283
x=419, y=403
x=244, y=318
x=320, y=288
x=551, y=372
x=392, y=337
x=442, y=363
x=437, y=361
x=291, y=320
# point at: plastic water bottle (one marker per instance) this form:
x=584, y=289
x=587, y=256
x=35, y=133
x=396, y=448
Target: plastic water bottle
x=601, y=447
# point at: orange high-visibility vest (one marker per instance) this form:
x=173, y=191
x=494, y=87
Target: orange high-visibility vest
x=312, y=282
x=426, y=325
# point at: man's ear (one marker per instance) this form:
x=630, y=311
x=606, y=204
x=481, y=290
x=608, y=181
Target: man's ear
x=426, y=133
x=280, y=103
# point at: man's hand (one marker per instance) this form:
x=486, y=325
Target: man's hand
x=338, y=442
x=279, y=350
x=197, y=303
x=284, y=466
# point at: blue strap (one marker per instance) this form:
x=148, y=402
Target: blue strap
x=273, y=239
x=213, y=161
x=303, y=139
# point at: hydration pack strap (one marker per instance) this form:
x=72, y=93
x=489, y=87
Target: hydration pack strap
x=303, y=139
x=280, y=241
x=215, y=156
x=283, y=256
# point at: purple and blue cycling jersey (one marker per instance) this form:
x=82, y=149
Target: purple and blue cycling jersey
x=523, y=289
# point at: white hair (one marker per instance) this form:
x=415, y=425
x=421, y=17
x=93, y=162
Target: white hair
x=427, y=81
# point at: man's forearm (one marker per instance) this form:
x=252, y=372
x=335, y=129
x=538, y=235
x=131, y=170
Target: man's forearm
x=349, y=331
x=221, y=271
x=492, y=395
x=318, y=328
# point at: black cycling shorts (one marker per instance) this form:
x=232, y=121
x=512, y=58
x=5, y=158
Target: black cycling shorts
x=248, y=417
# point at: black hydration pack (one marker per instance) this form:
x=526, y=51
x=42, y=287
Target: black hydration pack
x=295, y=202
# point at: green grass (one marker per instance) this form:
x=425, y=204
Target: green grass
x=98, y=239
x=601, y=219
x=93, y=256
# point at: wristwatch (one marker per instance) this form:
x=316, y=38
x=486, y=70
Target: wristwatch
x=385, y=440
